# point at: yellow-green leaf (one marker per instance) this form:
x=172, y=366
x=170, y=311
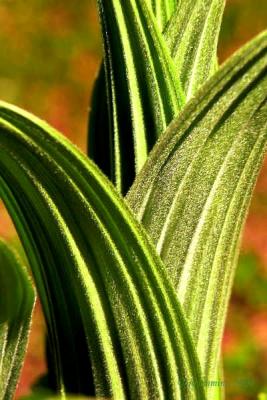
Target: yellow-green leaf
x=192, y=36
x=193, y=194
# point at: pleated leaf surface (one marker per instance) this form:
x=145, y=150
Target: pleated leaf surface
x=138, y=92
x=192, y=37
x=106, y=296
x=193, y=194
x=17, y=299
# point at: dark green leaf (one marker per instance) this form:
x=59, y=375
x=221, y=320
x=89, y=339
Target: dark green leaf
x=96, y=272
x=16, y=304
x=143, y=90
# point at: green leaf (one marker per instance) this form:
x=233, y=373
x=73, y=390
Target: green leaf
x=16, y=304
x=143, y=90
x=163, y=10
x=193, y=194
x=100, y=140
x=96, y=272
x=100, y=137
x=192, y=36
x=137, y=96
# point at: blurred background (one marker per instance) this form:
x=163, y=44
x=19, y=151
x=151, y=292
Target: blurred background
x=49, y=56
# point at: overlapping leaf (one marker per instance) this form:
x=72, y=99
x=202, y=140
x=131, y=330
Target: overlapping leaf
x=163, y=10
x=143, y=91
x=192, y=37
x=135, y=93
x=96, y=272
x=193, y=194
x=16, y=304
x=100, y=134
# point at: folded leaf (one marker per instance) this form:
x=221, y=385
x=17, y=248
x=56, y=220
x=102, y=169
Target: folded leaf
x=193, y=194
x=192, y=36
x=16, y=304
x=136, y=75
x=100, y=137
x=163, y=10
x=143, y=90
x=96, y=272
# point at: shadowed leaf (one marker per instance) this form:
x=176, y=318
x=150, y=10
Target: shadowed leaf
x=96, y=272
x=142, y=88
x=16, y=304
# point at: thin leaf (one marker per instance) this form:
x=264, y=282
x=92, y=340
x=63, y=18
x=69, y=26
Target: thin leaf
x=193, y=194
x=94, y=268
x=100, y=140
x=192, y=36
x=16, y=304
x=143, y=90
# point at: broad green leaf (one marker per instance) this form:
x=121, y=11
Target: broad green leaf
x=16, y=304
x=193, y=194
x=136, y=76
x=143, y=89
x=96, y=272
x=192, y=36
x=100, y=137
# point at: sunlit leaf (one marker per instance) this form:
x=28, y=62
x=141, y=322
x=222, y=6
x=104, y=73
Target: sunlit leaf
x=16, y=304
x=192, y=36
x=143, y=90
x=100, y=136
x=163, y=10
x=193, y=194
x=133, y=96
x=96, y=272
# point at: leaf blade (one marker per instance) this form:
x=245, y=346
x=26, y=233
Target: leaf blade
x=17, y=301
x=192, y=37
x=138, y=338
x=199, y=162
x=163, y=10
x=143, y=96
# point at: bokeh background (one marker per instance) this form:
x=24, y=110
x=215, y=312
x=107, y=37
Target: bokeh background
x=49, y=55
